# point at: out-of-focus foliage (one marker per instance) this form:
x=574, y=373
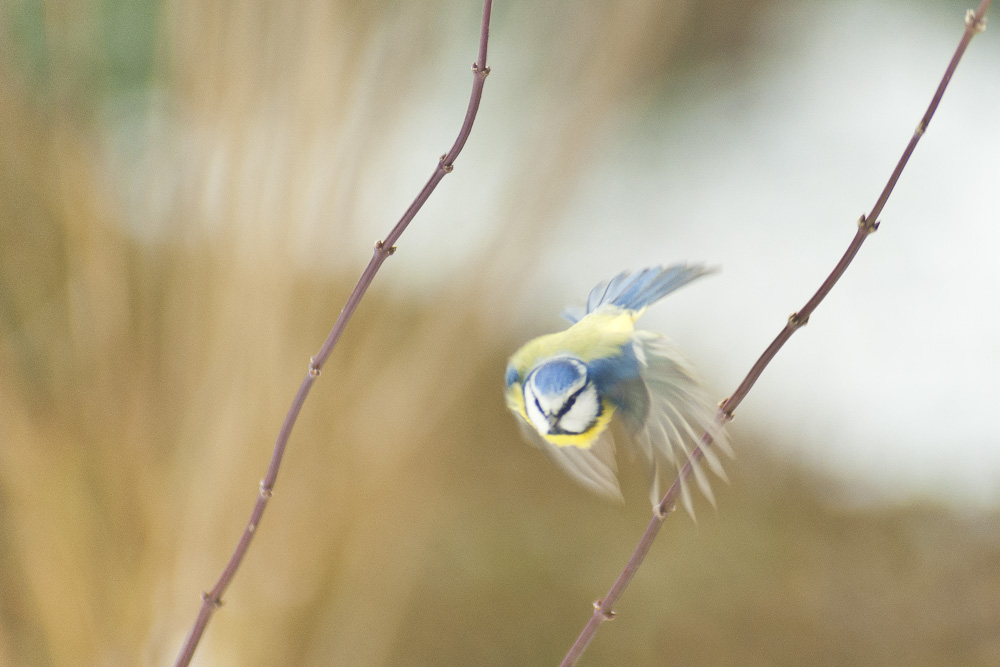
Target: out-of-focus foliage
x=144, y=375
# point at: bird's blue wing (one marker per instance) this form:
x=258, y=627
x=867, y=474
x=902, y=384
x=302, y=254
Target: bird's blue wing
x=635, y=291
x=619, y=380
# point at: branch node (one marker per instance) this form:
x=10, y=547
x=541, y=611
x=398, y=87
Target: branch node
x=481, y=73
x=662, y=512
x=265, y=491
x=209, y=598
x=313, y=367
x=795, y=321
x=971, y=22
x=725, y=412
x=445, y=167
x=608, y=614
x=866, y=225
x=380, y=247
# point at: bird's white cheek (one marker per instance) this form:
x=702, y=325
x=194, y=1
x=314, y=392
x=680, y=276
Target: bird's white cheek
x=583, y=413
x=538, y=420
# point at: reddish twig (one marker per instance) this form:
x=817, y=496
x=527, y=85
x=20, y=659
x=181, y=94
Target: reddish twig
x=212, y=599
x=603, y=609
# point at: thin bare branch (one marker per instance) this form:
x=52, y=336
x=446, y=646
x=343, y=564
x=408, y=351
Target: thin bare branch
x=975, y=22
x=212, y=599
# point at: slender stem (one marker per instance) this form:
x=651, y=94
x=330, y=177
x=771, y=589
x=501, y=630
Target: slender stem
x=603, y=609
x=212, y=599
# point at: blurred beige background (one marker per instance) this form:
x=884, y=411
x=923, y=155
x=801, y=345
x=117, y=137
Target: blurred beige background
x=189, y=190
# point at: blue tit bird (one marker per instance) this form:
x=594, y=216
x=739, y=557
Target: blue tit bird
x=567, y=387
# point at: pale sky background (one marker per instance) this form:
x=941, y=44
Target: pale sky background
x=894, y=379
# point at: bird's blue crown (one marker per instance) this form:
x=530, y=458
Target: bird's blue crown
x=558, y=375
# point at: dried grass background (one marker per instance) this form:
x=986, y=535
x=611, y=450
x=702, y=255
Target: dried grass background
x=186, y=197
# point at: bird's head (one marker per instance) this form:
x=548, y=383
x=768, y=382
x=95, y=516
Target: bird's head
x=560, y=398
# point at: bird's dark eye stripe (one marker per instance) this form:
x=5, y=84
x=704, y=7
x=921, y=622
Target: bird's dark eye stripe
x=559, y=430
x=568, y=405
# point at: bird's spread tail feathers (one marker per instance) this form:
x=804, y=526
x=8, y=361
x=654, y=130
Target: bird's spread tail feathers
x=679, y=414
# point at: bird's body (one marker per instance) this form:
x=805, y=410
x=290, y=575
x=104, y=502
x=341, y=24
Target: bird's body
x=566, y=387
